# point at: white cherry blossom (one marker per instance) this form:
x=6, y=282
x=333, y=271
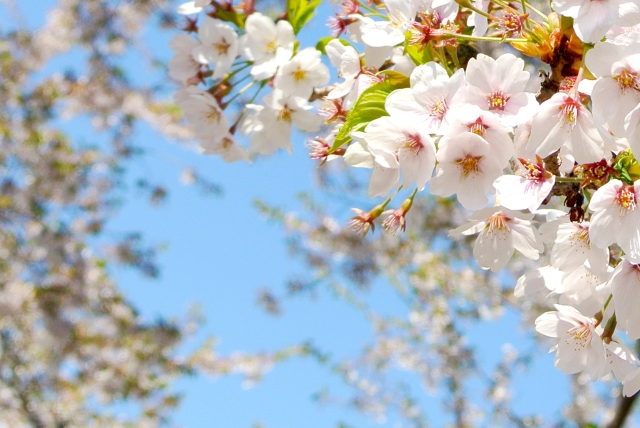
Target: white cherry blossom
x=592, y=19
x=583, y=289
x=374, y=55
x=499, y=86
x=267, y=44
x=386, y=172
x=527, y=191
x=428, y=103
x=183, y=67
x=470, y=118
x=579, y=347
x=621, y=359
x=572, y=247
x=347, y=61
x=270, y=124
x=413, y=148
x=219, y=45
x=203, y=112
x=465, y=168
x=616, y=217
x=564, y=122
x=501, y=231
x=617, y=68
x=226, y=147
x=625, y=288
x=401, y=14
x=302, y=73
x=543, y=279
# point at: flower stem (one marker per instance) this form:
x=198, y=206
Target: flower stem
x=486, y=39
x=373, y=11
x=568, y=180
x=534, y=10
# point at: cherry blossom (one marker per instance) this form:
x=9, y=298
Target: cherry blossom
x=203, y=111
x=429, y=100
x=304, y=72
x=347, y=61
x=470, y=118
x=386, y=172
x=225, y=147
x=501, y=231
x=592, y=20
x=219, y=46
x=617, y=68
x=270, y=124
x=267, y=44
x=466, y=169
x=625, y=288
x=572, y=247
x=499, y=86
x=616, y=218
x=183, y=67
x=527, y=191
x=389, y=33
x=413, y=148
x=564, y=122
x=579, y=346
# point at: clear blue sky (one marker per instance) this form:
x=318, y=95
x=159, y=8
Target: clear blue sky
x=220, y=251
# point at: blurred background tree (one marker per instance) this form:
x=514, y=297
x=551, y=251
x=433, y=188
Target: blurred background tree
x=74, y=351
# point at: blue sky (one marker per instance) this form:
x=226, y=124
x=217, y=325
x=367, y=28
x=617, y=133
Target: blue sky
x=220, y=251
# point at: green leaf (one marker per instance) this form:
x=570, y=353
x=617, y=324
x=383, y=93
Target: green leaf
x=230, y=16
x=299, y=12
x=322, y=44
x=628, y=167
x=397, y=79
x=370, y=106
x=305, y=15
x=418, y=54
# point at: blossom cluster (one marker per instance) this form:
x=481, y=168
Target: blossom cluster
x=419, y=106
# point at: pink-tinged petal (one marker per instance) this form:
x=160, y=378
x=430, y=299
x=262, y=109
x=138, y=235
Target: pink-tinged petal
x=548, y=134
x=568, y=8
x=587, y=145
x=547, y=324
x=600, y=59
x=543, y=279
x=382, y=180
x=621, y=358
x=472, y=194
x=484, y=73
x=604, y=196
x=402, y=104
x=625, y=287
x=445, y=183
x=612, y=113
x=602, y=223
x=595, y=19
x=493, y=249
x=452, y=149
x=513, y=78
x=596, y=365
x=306, y=120
x=631, y=383
x=381, y=33
x=526, y=239
x=417, y=167
x=429, y=73
x=519, y=109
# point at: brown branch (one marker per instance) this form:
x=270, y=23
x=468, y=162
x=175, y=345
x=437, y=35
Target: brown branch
x=623, y=411
x=625, y=405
